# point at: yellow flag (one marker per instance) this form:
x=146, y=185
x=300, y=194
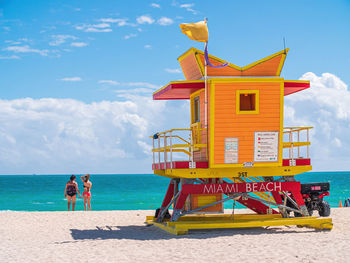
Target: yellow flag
x=196, y=31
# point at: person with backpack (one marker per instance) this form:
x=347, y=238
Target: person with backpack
x=71, y=191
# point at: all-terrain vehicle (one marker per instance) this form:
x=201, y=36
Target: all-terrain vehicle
x=313, y=194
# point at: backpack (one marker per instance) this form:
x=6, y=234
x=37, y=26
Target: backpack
x=71, y=190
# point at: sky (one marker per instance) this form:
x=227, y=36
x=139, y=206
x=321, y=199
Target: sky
x=76, y=77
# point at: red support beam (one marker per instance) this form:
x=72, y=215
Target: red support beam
x=256, y=206
x=181, y=200
x=169, y=194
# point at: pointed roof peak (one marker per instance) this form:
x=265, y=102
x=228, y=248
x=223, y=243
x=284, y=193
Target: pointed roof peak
x=192, y=64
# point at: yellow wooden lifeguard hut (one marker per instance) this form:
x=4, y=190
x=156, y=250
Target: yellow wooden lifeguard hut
x=235, y=147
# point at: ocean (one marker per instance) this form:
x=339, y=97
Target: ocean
x=122, y=192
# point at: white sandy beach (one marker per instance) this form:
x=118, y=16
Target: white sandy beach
x=121, y=236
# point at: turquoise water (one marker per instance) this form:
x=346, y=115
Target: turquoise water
x=121, y=192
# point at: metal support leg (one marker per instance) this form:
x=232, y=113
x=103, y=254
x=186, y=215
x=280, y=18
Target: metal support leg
x=298, y=197
x=180, y=202
x=277, y=197
x=167, y=199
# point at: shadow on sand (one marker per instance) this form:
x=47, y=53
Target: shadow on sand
x=154, y=233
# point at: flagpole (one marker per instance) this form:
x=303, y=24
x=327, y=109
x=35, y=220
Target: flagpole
x=206, y=92
x=205, y=87
x=206, y=97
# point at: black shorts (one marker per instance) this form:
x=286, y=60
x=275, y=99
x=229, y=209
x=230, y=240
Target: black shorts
x=71, y=195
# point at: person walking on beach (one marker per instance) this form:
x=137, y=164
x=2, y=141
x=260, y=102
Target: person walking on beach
x=71, y=191
x=87, y=188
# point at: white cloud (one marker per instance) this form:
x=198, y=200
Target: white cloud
x=109, y=82
x=175, y=70
x=143, y=86
x=326, y=107
x=146, y=148
x=189, y=8
x=109, y=20
x=79, y=44
x=186, y=5
x=71, y=79
x=60, y=39
x=27, y=49
x=155, y=5
x=119, y=21
x=135, y=91
x=140, y=84
x=145, y=19
x=47, y=28
x=93, y=29
x=101, y=27
x=67, y=136
x=25, y=39
x=131, y=87
x=13, y=42
x=131, y=35
x=10, y=57
x=148, y=47
x=165, y=21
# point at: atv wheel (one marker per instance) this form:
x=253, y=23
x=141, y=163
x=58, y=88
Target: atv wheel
x=300, y=215
x=324, y=209
x=310, y=212
x=297, y=214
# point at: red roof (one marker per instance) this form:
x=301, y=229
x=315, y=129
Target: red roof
x=291, y=86
x=178, y=90
x=182, y=90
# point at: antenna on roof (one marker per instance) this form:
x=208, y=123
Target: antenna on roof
x=284, y=44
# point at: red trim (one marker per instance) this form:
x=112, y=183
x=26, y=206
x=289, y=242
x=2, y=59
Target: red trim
x=307, y=161
x=293, y=87
x=324, y=194
x=179, y=165
x=178, y=91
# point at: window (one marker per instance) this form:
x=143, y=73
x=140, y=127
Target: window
x=196, y=110
x=247, y=102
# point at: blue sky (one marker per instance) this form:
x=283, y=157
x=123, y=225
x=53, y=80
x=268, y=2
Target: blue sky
x=88, y=52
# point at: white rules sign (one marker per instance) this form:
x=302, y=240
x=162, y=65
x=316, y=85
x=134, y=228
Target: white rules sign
x=266, y=146
x=231, y=150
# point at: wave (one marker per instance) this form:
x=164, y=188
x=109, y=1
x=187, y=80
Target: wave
x=45, y=203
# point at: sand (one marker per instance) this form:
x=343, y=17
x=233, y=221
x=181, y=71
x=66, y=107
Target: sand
x=121, y=236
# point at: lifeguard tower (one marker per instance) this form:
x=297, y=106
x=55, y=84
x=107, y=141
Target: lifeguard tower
x=236, y=148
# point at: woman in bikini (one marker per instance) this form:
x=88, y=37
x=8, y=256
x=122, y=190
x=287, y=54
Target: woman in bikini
x=87, y=188
x=71, y=191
